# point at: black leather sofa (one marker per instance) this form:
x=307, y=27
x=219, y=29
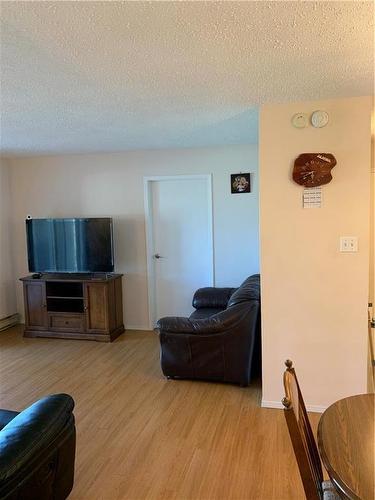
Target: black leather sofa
x=220, y=340
x=37, y=450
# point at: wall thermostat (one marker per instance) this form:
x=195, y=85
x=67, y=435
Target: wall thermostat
x=319, y=119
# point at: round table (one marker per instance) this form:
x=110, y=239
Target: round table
x=346, y=443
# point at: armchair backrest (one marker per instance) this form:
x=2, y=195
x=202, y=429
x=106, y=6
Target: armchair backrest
x=211, y=297
x=249, y=290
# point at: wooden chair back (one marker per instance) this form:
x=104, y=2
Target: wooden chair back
x=301, y=435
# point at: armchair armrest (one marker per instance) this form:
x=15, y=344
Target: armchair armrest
x=217, y=323
x=177, y=325
x=211, y=297
x=31, y=431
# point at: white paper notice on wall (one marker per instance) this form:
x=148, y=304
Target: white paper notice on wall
x=312, y=197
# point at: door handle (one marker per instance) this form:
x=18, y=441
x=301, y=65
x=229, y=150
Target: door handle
x=157, y=256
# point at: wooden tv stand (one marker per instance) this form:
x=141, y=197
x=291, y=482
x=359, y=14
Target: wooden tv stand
x=85, y=307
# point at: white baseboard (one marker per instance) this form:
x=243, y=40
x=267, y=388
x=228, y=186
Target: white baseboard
x=9, y=321
x=132, y=327
x=279, y=406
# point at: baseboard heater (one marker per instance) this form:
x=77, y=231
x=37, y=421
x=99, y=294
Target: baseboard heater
x=9, y=321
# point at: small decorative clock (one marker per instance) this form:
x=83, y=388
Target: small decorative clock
x=313, y=169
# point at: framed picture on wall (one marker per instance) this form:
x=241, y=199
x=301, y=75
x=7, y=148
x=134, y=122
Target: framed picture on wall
x=240, y=183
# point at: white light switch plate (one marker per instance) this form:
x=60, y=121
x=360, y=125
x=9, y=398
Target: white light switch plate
x=348, y=244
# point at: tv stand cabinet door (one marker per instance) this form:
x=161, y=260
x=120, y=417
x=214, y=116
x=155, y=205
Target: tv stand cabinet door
x=35, y=305
x=96, y=306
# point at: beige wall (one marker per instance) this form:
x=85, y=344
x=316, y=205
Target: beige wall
x=112, y=185
x=314, y=297
x=7, y=286
x=371, y=349
x=372, y=214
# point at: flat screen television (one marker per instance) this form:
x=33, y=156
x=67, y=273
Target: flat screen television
x=70, y=245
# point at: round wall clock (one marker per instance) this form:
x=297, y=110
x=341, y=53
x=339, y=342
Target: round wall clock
x=313, y=169
x=299, y=120
x=319, y=119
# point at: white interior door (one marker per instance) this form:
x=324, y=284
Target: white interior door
x=180, y=252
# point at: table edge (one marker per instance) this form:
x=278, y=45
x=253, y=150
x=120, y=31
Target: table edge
x=338, y=482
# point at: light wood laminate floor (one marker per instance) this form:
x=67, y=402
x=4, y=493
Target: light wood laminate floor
x=140, y=436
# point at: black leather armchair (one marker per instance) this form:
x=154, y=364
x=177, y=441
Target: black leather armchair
x=220, y=340
x=37, y=450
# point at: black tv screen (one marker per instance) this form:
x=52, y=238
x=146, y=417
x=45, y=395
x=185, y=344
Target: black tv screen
x=70, y=245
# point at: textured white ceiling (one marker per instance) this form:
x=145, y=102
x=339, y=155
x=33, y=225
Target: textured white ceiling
x=111, y=76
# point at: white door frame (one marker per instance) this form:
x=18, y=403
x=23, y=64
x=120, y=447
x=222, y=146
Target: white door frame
x=147, y=183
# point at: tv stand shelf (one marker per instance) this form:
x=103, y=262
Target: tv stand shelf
x=62, y=297
x=73, y=306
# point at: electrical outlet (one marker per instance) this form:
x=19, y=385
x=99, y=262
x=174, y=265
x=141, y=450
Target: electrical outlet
x=348, y=244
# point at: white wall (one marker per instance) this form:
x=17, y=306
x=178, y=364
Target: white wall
x=314, y=298
x=7, y=286
x=112, y=185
